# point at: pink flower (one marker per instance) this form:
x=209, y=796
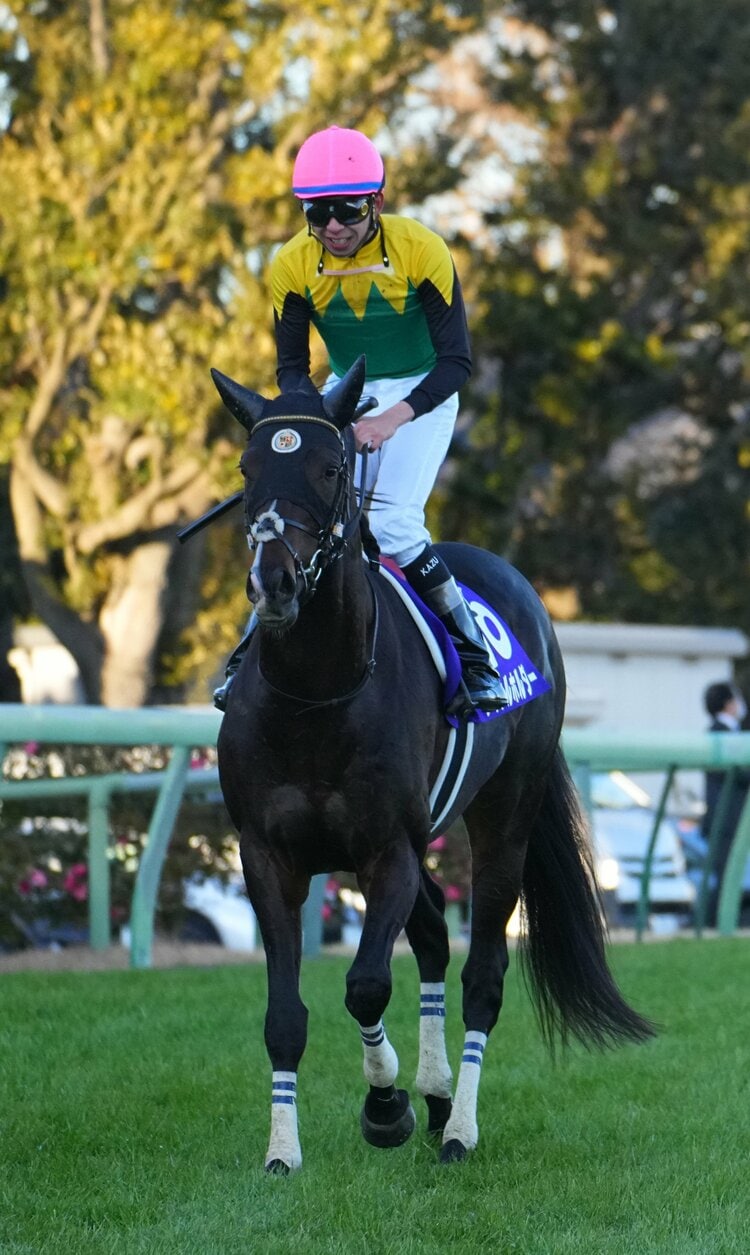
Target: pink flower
x=75, y=882
x=35, y=879
x=452, y=893
x=438, y=843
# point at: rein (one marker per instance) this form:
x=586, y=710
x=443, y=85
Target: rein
x=309, y=705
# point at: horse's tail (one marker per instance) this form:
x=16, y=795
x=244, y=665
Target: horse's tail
x=563, y=951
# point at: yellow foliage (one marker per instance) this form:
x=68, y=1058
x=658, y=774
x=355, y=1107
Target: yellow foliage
x=550, y=396
x=589, y=350
x=653, y=572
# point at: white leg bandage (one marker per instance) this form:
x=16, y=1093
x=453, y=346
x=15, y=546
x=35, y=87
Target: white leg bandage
x=462, y=1124
x=380, y=1059
x=434, y=1074
x=284, y=1141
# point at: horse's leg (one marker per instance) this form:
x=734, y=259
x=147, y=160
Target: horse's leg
x=390, y=886
x=277, y=896
x=428, y=938
x=497, y=865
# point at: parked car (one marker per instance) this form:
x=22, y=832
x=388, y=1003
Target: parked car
x=219, y=913
x=695, y=849
x=623, y=816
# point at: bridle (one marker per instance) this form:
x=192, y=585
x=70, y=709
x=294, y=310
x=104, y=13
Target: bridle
x=332, y=538
x=333, y=534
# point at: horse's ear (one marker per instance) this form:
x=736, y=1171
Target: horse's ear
x=246, y=406
x=341, y=402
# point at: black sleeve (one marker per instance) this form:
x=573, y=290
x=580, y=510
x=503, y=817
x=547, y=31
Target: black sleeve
x=292, y=332
x=449, y=333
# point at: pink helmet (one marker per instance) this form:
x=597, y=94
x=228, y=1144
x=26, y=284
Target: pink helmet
x=337, y=162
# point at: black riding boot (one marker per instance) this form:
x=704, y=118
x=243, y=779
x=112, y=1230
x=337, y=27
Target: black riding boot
x=233, y=665
x=480, y=684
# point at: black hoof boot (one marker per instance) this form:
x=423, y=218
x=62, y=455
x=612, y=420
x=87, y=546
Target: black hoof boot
x=387, y=1121
x=438, y=1113
x=277, y=1168
x=453, y=1151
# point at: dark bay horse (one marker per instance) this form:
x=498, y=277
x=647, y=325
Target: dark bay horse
x=328, y=753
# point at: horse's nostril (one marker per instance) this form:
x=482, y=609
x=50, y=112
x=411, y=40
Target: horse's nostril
x=279, y=583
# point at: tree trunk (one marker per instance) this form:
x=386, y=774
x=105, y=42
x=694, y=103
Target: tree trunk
x=131, y=621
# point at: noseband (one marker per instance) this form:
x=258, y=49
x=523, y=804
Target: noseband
x=332, y=536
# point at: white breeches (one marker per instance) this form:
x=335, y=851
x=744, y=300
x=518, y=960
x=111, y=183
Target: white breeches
x=403, y=471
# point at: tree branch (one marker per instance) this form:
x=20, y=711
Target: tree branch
x=136, y=514
x=45, y=487
x=98, y=37
x=51, y=376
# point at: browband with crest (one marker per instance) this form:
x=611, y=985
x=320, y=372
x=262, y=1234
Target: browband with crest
x=295, y=418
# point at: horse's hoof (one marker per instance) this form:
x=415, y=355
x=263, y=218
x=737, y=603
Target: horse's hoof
x=438, y=1113
x=453, y=1151
x=277, y=1168
x=397, y=1130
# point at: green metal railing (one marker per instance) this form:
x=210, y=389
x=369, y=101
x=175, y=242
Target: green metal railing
x=179, y=729
x=169, y=785
x=587, y=752
x=182, y=729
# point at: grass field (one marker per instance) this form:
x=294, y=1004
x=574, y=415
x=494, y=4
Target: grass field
x=134, y=1114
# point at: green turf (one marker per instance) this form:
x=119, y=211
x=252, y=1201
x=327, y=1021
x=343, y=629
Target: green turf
x=134, y=1113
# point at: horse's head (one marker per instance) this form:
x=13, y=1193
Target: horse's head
x=299, y=501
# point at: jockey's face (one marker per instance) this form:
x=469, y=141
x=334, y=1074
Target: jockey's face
x=344, y=240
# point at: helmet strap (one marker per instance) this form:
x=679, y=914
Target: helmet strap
x=377, y=228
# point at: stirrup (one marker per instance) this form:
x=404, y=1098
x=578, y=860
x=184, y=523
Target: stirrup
x=233, y=665
x=465, y=703
x=222, y=693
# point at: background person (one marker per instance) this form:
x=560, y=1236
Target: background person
x=727, y=709
x=385, y=286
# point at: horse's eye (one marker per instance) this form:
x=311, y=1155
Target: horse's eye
x=331, y=472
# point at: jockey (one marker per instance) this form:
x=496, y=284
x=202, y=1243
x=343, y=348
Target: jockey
x=386, y=286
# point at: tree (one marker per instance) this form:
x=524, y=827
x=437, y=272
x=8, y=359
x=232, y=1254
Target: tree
x=145, y=165
x=11, y=596
x=616, y=302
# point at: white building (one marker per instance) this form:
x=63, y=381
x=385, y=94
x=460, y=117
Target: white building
x=624, y=676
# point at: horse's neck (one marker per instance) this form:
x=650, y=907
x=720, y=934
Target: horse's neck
x=327, y=650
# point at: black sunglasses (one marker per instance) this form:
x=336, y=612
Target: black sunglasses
x=346, y=210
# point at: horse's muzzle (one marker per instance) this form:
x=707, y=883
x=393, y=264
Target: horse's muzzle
x=276, y=601
x=277, y=619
